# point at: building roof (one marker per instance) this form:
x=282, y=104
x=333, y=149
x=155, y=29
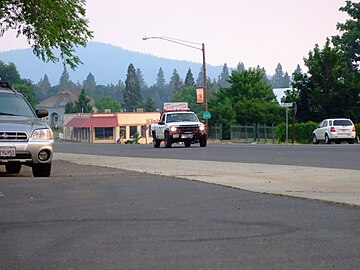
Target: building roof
x=60, y=99
x=101, y=121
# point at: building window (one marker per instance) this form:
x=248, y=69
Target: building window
x=84, y=134
x=104, y=133
x=122, y=132
x=133, y=131
x=143, y=131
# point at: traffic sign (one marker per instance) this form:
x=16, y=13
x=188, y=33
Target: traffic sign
x=206, y=115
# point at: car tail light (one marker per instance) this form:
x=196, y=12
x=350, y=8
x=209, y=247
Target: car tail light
x=332, y=129
x=354, y=129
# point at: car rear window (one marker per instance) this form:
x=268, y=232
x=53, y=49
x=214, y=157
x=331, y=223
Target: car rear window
x=343, y=122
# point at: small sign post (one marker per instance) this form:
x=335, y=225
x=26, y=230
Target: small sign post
x=206, y=115
x=287, y=106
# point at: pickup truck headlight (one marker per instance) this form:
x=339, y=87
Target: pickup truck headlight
x=201, y=128
x=173, y=128
x=42, y=134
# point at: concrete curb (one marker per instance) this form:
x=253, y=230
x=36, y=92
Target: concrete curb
x=334, y=185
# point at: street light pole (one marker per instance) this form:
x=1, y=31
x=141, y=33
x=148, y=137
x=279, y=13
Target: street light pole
x=205, y=83
x=191, y=45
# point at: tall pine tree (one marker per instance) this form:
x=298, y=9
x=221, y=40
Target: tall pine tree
x=175, y=82
x=132, y=97
x=189, y=79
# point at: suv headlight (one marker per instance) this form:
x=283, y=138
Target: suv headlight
x=42, y=134
x=201, y=128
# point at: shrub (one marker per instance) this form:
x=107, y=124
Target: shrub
x=303, y=132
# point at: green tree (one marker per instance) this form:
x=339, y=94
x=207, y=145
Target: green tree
x=298, y=69
x=330, y=88
x=42, y=87
x=160, y=79
x=188, y=94
x=348, y=41
x=132, y=97
x=240, y=67
x=249, y=84
x=89, y=84
x=48, y=25
x=224, y=115
x=26, y=88
x=200, y=78
x=82, y=104
x=64, y=79
x=9, y=72
x=103, y=103
x=70, y=107
x=224, y=76
x=149, y=105
x=249, y=99
x=189, y=79
x=175, y=83
x=278, y=78
x=141, y=79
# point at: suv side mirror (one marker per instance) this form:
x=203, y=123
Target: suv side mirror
x=42, y=113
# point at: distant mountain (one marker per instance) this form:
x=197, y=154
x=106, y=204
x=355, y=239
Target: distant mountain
x=106, y=62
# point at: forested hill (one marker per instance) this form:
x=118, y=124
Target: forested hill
x=106, y=62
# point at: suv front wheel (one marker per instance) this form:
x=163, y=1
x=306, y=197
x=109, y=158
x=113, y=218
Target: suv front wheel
x=41, y=170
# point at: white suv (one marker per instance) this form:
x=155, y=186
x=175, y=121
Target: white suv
x=337, y=130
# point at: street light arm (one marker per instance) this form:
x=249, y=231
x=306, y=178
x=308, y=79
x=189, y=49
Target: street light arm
x=177, y=41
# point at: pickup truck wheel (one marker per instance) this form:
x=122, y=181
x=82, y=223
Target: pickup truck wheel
x=203, y=141
x=167, y=140
x=156, y=142
x=187, y=143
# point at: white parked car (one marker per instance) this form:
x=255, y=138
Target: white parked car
x=336, y=129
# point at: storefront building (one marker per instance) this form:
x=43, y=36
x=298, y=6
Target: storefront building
x=121, y=127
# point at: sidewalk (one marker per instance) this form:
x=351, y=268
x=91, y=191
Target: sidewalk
x=334, y=185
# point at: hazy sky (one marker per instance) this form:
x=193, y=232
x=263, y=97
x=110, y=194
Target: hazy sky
x=255, y=32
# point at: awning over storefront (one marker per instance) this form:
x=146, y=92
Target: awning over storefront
x=82, y=122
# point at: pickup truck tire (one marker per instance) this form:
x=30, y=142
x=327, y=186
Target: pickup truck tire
x=167, y=140
x=187, y=143
x=156, y=142
x=203, y=141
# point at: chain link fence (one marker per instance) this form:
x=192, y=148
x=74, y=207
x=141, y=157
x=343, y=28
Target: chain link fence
x=253, y=133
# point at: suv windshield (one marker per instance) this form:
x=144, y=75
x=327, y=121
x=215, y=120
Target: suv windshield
x=11, y=104
x=343, y=122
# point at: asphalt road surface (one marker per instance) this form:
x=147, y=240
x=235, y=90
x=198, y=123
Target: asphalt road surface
x=341, y=156
x=87, y=217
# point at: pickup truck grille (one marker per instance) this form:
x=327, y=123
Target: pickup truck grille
x=188, y=129
x=13, y=136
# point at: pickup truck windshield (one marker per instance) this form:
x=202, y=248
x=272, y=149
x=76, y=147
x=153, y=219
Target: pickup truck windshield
x=181, y=117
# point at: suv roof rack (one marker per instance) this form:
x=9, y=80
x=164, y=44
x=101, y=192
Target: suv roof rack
x=7, y=85
x=4, y=84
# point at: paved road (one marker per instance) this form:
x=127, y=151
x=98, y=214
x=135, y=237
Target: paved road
x=86, y=217
x=343, y=156
x=89, y=217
